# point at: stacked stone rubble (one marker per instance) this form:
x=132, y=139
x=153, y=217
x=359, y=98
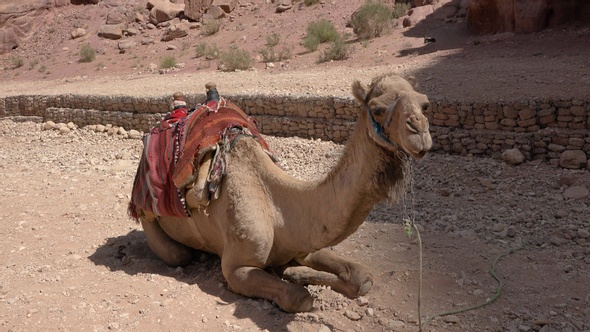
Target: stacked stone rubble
x=540, y=129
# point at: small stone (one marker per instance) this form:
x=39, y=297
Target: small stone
x=134, y=134
x=362, y=301
x=513, y=156
x=445, y=191
x=511, y=231
x=561, y=214
x=352, y=315
x=524, y=328
x=396, y=324
x=324, y=328
x=48, y=125
x=64, y=130
x=573, y=159
x=576, y=192
x=370, y=312
x=583, y=233
x=498, y=227
x=451, y=319
x=568, y=180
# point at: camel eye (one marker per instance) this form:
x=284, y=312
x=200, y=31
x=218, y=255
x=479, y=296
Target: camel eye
x=425, y=106
x=378, y=111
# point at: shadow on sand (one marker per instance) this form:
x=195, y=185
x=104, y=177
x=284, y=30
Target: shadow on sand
x=131, y=254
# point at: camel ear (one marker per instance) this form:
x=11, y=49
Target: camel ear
x=359, y=91
x=413, y=81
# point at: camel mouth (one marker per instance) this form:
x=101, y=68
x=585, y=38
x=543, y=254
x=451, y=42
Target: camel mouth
x=417, y=144
x=419, y=155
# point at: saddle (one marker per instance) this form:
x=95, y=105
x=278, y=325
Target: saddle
x=183, y=163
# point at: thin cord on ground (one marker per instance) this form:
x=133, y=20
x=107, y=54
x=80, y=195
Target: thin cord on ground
x=409, y=219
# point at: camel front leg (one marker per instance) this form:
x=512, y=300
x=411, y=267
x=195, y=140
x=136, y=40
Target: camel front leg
x=324, y=268
x=255, y=282
x=171, y=252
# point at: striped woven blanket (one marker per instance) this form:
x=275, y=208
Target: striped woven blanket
x=172, y=153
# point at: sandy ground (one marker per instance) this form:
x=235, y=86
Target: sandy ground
x=72, y=259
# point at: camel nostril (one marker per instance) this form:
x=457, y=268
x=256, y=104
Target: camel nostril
x=412, y=126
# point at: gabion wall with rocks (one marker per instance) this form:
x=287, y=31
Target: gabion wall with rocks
x=556, y=131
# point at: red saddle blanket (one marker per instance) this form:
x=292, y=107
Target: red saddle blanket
x=173, y=150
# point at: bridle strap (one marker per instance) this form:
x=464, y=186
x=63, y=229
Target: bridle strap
x=378, y=128
x=390, y=112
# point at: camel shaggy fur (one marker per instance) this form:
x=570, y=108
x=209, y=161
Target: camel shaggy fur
x=271, y=230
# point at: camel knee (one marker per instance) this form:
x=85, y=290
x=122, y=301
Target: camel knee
x=171, y=252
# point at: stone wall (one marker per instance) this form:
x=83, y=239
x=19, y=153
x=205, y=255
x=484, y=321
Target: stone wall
x=540, y=129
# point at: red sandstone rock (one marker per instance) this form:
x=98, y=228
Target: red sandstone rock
x=523, y=16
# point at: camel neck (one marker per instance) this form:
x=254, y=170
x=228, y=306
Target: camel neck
x=363, y=177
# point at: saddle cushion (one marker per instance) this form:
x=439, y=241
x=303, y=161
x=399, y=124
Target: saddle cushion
x=172, y=154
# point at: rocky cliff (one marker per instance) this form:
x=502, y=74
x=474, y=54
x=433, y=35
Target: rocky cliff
x=524, y=16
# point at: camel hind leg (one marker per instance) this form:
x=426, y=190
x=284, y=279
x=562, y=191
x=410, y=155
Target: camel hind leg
x=171, y=252
x=324, y=268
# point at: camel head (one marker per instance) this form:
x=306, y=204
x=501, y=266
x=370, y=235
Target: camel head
x=394, y=114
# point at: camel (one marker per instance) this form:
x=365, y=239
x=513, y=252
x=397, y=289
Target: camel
x=273, y=231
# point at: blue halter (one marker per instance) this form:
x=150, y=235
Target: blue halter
x=378, y=128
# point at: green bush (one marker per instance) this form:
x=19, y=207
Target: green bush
x=168, y=62
x=33, y=63
x=273, y=40
x=209, y=51
x=235, y=59
x=311, y=43
x=211, y=27
x=17, y=61
x=269, y=54
x=87, y=53
x=200, y=50
x=400, y=9
x=322, y=31
x=337, y=51
x=371, y=20
x=284, y=53
x=310, y=2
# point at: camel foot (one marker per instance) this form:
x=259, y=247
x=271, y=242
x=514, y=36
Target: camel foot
x=297, y=299
x=365, y=287
x=324, y=268
x=255, y=282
